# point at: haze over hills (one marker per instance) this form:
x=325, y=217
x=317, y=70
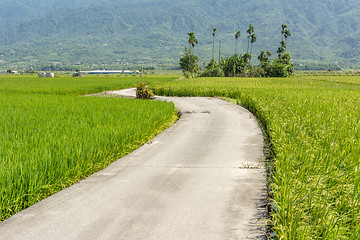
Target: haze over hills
x=14, y=12
x=102, y=31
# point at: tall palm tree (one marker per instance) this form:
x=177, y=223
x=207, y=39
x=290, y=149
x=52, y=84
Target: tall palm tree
x=253, y=39
x=237, y=36
x=287, y=34
x=250, y=31
x=284, y=27
x=264, y=57
x=214, y=34
x=192, y=40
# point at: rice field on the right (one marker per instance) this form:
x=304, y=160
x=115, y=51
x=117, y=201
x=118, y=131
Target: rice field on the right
x=313, y=126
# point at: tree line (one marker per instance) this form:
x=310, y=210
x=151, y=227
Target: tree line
x=239, y=65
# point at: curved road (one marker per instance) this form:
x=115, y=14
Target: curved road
x=203, y=178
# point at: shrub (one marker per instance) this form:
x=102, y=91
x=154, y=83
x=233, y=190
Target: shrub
x=189, y=64
x=143, y=92
x=213, y=70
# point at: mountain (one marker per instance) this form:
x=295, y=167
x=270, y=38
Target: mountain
x=13, y=12
x=110, y=32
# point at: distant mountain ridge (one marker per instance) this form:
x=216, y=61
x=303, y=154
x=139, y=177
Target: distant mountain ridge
x=102, y=31
x=14, y=12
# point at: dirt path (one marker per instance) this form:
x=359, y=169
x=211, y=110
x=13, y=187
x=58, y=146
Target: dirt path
x=203, y=178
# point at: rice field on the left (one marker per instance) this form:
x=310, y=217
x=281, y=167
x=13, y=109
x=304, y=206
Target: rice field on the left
x=51, y=137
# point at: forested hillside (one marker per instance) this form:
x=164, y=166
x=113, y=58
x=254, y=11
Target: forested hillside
x=100, y=31
x=14, y=12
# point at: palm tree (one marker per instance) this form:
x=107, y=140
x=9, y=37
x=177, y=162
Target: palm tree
x=250, y=32
x=237, y=36
x=285, y=33
x=283, y=30
x=192, y=40
x=280, y=51
x=214, y=33
x=265, y=65
x=253, y=39
x=264, y=57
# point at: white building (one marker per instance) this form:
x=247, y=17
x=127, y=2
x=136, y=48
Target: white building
x=49, y=75
x=46, y=74
x=111, y=72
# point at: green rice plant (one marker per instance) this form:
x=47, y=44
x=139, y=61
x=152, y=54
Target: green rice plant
x=73, y=86
x=50, y=141
x=313, y=124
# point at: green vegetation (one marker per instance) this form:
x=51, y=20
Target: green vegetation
x=103, y=32
x=143, y=91
x=313, y=129
x=240, y=66
x=51, y=138
x=189, y=62
x=73, y=86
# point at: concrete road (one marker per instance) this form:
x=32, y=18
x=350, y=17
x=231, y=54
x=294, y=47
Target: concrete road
x=203, y=178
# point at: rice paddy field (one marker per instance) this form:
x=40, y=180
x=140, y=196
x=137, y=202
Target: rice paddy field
x=52, y=137
x=313, y=128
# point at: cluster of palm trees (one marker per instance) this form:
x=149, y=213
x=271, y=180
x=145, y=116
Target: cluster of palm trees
x=240, y=65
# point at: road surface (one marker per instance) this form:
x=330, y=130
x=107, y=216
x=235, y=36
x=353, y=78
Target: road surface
x=203, y=178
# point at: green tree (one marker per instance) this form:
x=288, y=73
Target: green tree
x=253, y=39
x=237, y=36
x=192, y=40
x=265, y=63
x=213, y=69
x=250, y=31
x=189, y=63
x=237, y=65
x=232, y=66
x=285, y=34
x=282, y=66
x=283, y=26
x=264, y=57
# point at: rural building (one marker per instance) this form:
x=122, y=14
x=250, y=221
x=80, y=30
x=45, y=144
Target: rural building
x=111, y=72
x=46, y=74
x=49, y=75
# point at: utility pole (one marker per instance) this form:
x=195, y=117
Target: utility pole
x=142, y=68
